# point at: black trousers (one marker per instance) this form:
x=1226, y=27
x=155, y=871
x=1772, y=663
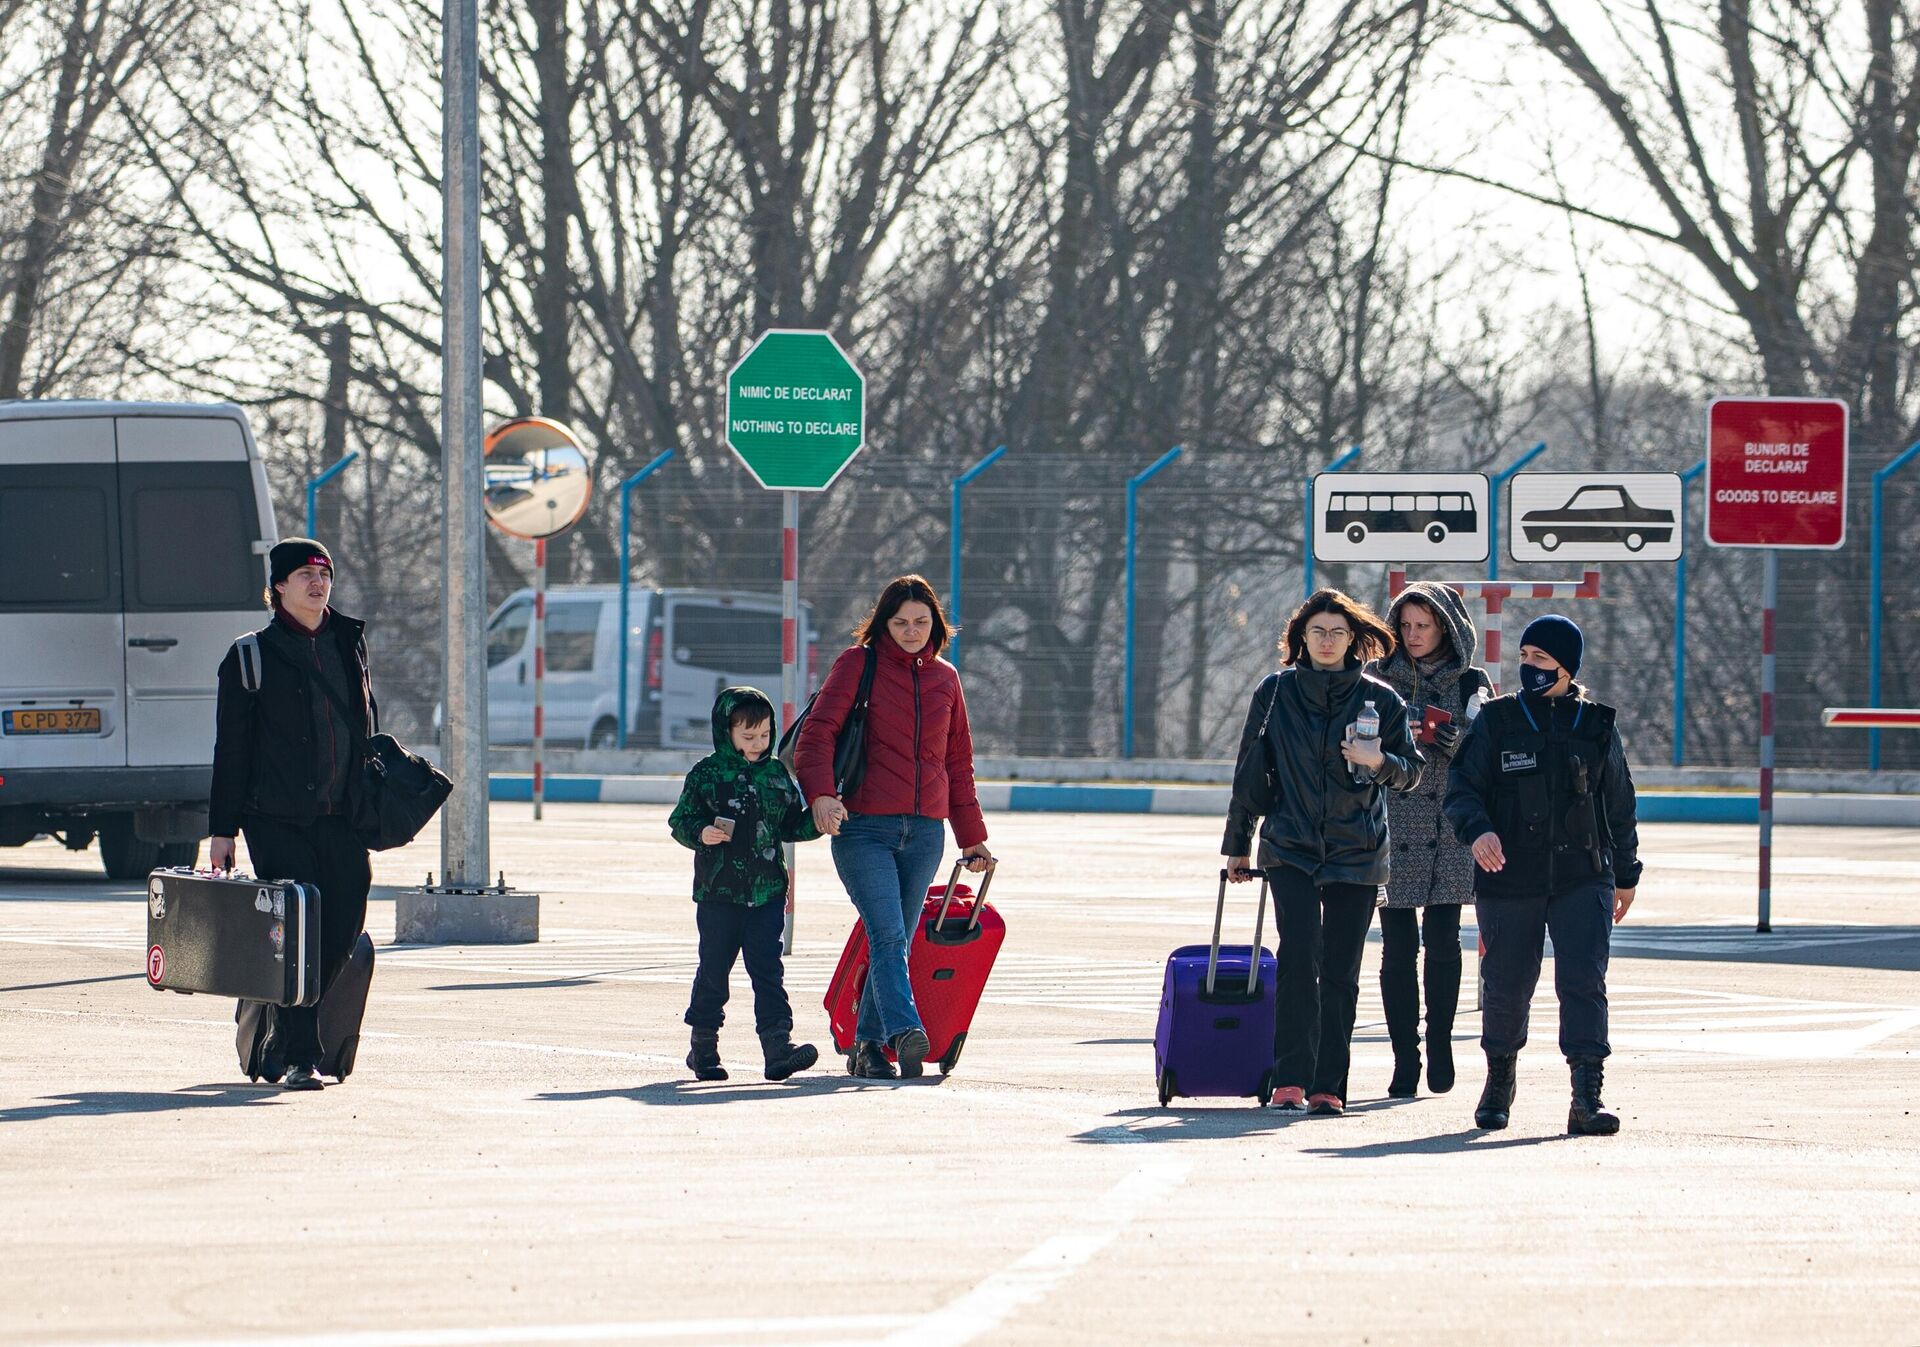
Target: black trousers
x=1322, y=935
x=1403, y=930
x=326, y=854
x=728, y=930
x=1514, y=931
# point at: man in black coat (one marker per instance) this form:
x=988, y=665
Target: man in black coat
x=1541, y=792
x=285, y=754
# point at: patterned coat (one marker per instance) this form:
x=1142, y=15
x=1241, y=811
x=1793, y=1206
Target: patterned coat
x=1429, y=866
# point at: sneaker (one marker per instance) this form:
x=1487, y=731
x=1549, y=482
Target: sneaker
x=910, y=1049
x=1326, y=1105
x=1290, y=1099
x=302, y=1078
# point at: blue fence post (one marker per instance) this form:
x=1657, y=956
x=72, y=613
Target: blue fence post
x=1876, y=596
x=626, y=578
x=1308, y=533
x=313, y=487
x=1680, y=624
x=1133, y=495
x=1498, y=480
x=953, y=545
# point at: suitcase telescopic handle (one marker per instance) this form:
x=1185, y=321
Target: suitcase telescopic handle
x=979, y=899
x=1259, y=928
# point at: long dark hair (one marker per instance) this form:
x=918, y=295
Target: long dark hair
x=1372, y=638
x=904, y=589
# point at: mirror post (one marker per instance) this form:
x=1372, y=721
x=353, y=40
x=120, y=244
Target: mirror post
x=539, y=677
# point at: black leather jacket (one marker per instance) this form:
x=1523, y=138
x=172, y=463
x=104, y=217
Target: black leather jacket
x=278, y=753
x=1326, y=823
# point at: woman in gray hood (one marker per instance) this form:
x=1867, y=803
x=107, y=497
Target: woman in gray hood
x=1432, y=873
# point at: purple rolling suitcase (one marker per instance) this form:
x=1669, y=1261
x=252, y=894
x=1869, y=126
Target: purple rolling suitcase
x=1215, y=1038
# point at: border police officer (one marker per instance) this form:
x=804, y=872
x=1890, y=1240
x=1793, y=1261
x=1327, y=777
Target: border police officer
x=1541, y=792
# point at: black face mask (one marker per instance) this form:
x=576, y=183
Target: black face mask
x=1537, y=681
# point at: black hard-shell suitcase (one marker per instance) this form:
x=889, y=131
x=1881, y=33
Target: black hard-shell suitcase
x=255, y=939
x=341, y=1011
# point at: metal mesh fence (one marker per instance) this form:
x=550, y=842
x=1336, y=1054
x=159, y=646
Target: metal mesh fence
x=1216, y=567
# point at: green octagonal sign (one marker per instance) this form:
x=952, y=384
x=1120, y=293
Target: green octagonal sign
x=796, y=410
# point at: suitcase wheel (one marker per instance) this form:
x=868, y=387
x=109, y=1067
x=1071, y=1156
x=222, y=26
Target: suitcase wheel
x=948, y=1062
x=1265, y=1093
x=1168, y=1086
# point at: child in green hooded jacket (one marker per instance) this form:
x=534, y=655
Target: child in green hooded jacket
x=738, y=805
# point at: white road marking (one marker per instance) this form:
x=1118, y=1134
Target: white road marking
x=784, y=1328
x=1657, y=1018
x=965, y=1319
x=1032, y=1277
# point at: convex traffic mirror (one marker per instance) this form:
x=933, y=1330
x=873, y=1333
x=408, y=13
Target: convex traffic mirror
x=538, y=482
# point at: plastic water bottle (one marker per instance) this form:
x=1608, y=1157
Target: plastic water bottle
x=1365, y=726
x=1477, y=702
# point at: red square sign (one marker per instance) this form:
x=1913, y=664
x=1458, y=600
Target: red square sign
x=1777, y=472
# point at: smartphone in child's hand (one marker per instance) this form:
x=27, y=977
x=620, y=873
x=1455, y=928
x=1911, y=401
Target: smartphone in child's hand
x=725, y=825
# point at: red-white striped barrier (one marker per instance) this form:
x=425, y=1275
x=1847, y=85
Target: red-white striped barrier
x=1870, y=718
x=1495, y=593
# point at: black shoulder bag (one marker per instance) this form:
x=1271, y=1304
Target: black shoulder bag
x=850, y=749
x=1256, y=780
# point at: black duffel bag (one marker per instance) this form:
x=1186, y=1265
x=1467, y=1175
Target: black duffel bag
x=397, y=794
x=397, y=791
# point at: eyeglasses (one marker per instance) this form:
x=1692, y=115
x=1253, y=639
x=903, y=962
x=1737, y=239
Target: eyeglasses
x=1335, y=635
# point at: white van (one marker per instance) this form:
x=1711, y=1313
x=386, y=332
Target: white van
x=133, y=541
x=684, y=645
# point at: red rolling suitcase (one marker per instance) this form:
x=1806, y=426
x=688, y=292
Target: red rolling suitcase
x=953, y=950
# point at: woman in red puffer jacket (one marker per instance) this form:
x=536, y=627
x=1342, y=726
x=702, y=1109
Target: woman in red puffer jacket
x=887, y=834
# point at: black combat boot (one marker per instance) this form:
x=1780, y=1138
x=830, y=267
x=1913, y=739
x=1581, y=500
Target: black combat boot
x=868, y=1060
x=784, y=1056
x=1496, y=1100
x=1589, y=1117
x=704, y=1059
x=1443, y=999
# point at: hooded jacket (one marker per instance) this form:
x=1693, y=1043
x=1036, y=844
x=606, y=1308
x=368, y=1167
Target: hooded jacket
x=919, y=748
x=1326, y=823
x=760, y=797
x=285, y=752
x=1429, y=865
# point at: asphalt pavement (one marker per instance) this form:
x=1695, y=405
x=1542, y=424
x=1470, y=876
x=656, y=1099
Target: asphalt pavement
x=522, y=1156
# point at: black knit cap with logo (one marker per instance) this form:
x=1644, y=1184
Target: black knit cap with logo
x=290, y=554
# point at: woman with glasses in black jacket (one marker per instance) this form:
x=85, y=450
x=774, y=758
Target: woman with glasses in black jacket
x=1323, y=841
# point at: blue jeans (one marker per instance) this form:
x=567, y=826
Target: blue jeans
x=886, y=862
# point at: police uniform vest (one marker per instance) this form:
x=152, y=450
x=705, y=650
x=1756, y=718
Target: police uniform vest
x=1546, y=804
